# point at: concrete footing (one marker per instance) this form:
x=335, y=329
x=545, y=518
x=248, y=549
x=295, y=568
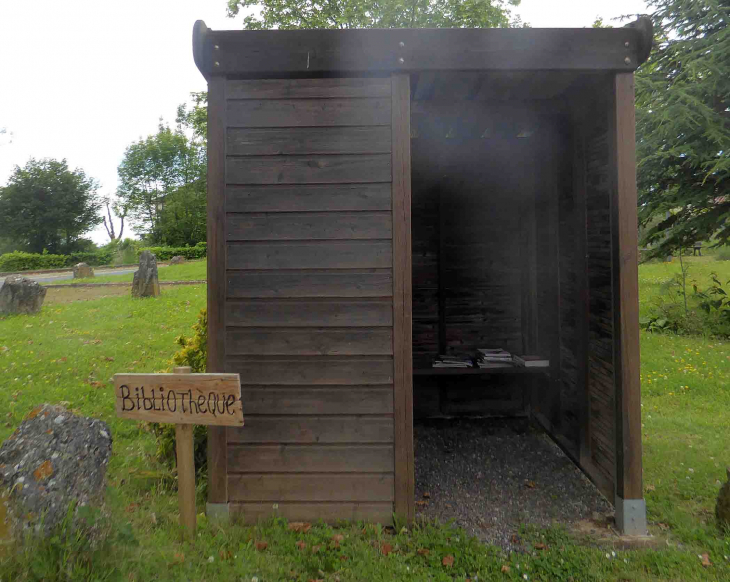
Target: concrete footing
x=218, y=512
x=631, y=516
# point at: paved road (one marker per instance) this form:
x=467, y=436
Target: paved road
x=53, y=277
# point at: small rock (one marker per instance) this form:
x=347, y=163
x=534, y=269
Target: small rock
x=46, y=465
x=83, y=271
x=177, y=260
x=146, y=282
x=21, y=295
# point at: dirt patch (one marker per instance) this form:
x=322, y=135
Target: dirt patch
x=492, y=475
x=68, y=294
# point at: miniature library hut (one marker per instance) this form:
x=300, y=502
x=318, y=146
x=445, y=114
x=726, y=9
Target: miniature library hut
x=379, y=197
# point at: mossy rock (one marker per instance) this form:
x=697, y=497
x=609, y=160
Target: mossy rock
x=722, y=510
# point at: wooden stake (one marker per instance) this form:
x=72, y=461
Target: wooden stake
x=185, y=471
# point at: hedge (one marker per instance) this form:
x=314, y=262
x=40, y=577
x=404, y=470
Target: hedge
x=166, y=253
x=20, y=261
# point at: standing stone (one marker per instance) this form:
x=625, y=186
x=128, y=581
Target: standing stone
x=54, y=458
x=83, y=271
x=145, y=282
x=722, y=510
x=21, y=295
x=177, y=260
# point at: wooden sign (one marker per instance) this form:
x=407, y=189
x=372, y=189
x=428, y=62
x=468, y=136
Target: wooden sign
x=184, y=399
x=213, y=399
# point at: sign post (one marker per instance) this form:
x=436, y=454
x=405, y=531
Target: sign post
x=184, y=399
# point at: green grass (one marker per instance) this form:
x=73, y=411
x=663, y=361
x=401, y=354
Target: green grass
x=69, y=352
x=189, y=271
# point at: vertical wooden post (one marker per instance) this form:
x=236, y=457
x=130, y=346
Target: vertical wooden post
x=402, y=290
x=217, y=435
x=630, y=508
x=185, y=471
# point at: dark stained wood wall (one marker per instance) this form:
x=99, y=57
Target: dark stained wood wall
x=309, y=297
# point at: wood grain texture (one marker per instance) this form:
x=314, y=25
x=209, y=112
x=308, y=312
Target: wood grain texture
x=318, y=399
x=310, y=284
x=309, y=226
x=308, y=169
x=314, y=430
x=308, y=112
x=263, y=341
x=626, y=293
x=330, y=512
x=186, y=478
x=303, y=488
x=302, y=313
x=216, y=211
x=268, y=141
x=402, y=318
x=308, y=198
x=311, y=370
x=307, y=88
x=311, y=255
x=312, y=458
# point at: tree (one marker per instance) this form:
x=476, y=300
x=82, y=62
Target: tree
x=683, y=126
x=290, y=14
x=156, y=169
x=121, y=211
x=45, y=206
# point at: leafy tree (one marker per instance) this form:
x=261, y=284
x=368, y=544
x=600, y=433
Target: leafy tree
x=45, y=206
x=290, y=14
x=155, y=171
x=683, y=126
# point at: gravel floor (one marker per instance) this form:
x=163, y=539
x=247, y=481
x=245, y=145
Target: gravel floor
x=491, y=475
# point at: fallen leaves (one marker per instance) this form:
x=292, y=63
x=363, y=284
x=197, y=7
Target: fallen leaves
x=423, y=552
x=301, y=545
x=531, y=484
x=300, y=527
x=541, y=547
x=421, y=503
x=448, y=561
x=385, y=549
x=705, y=560
x=261, y=546
x=44, y=470
x=336, y=539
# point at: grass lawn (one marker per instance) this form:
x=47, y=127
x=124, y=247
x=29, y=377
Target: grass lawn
x=69, y=352
x=189, y=271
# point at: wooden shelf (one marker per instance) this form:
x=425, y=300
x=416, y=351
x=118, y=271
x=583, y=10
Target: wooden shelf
x=478, y=371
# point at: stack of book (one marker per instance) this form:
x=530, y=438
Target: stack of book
x=531, y=361
x=453, y=362
x=494, y=358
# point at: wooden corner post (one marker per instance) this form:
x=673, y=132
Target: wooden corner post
x=402, y=284
x=630, y=505
x=217, y=435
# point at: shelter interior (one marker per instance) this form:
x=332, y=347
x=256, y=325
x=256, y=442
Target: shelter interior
x=512, y=248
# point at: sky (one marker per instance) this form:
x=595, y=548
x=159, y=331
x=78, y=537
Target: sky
x=83, y=79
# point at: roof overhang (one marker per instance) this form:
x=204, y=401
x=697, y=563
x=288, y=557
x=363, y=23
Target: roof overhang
x=284, y=53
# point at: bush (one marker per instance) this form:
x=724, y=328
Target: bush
x=193, y=353
x=20, y=261
x=166, y=253
x=723, y=254
x=94, y=258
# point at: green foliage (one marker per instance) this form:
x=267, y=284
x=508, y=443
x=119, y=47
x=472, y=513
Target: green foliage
x=293, y=14
x=193, y=352
x=47, y=206
x=75, y=550
x=683, y=127
x=166, y=253
x=723, y=254
x=20, y=261
x=163, y=187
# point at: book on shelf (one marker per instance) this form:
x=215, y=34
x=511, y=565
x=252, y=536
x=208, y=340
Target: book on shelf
x=446, y=361
x=494, y=357
x=531, y=361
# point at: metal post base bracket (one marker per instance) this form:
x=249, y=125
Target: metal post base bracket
x=219, y=512
x=631, y=517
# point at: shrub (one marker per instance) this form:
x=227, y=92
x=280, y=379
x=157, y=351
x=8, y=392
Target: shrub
x=166, y=253
x=21, y=261
x=723, y=254
x=194, y=353
x=94, y=258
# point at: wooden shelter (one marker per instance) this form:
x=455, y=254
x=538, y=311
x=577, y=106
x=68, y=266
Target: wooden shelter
x=378, y=197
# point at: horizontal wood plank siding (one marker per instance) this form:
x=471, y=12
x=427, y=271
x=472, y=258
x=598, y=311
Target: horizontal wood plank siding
x=312, y=283
x=308, y=112
x=300, y=313
x=311, y=255
x=327, y=488
x=308, y=198
x=307, y=88
x=308, y=140
x=309, y=226
x=309, y=287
